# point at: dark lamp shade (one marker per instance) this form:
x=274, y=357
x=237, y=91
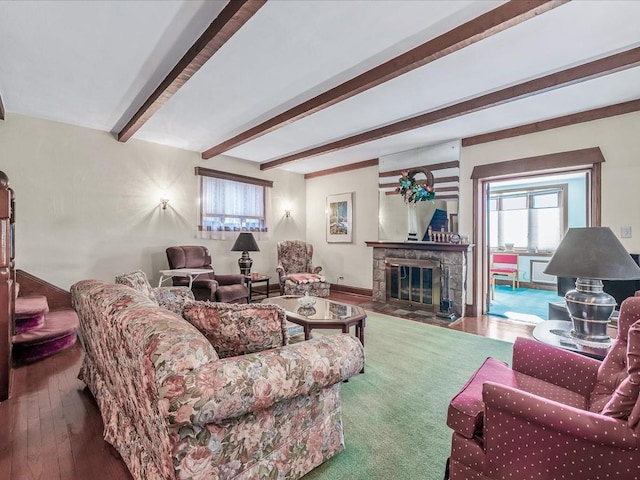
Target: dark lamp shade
x=245, y=243
x=592, y=253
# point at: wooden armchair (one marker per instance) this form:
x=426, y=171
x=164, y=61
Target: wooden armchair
x=504, y=264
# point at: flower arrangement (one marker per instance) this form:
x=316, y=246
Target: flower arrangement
x=413, y=190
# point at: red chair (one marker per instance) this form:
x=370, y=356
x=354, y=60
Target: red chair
x=505, y=264
x=553, y=414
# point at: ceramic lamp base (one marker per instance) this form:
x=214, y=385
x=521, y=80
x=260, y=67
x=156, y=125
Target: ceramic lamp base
x=245, y=263
x=590, y=309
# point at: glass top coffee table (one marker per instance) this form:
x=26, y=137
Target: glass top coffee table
x=325, y=314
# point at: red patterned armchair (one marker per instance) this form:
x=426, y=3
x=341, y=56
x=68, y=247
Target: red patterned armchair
x=296, y=271
x=554, y=414
x=216, y=288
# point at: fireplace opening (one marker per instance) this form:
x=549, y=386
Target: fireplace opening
x=413, y=282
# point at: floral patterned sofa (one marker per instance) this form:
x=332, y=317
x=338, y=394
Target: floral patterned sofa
x=174, y=408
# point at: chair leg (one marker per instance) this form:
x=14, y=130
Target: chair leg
x=492, y=286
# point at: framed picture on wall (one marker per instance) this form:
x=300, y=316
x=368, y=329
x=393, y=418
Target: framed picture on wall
x=340, y=218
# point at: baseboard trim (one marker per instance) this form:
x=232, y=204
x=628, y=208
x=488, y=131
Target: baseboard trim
x=364, y=292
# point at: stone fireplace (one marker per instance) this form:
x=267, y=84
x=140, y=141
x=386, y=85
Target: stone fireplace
x=424, y=263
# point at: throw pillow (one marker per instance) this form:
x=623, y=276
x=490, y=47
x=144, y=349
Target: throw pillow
x=238, y=329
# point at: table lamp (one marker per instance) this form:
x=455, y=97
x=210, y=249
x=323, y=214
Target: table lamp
x=591, y=255
x=245, y=243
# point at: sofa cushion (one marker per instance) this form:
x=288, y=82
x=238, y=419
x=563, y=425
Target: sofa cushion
x=613, y=370
x=238, y=329
x=626, y=395
x=466, y=410
x=306, y=278
x=232, y=293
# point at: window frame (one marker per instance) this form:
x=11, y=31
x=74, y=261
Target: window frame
x=226, y=233
x=530, y=193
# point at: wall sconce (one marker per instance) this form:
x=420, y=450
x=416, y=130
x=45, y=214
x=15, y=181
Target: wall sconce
x=287, y=213
x=164, y=202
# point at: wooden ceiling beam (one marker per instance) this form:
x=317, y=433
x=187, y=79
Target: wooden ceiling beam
x=597, y=68
x=490, y=23
x=226, y=24
x=432, y=167
x=565, y=120
x=344, y=168
x=436, y=181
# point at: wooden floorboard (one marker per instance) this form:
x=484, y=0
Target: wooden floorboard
x=53, y=429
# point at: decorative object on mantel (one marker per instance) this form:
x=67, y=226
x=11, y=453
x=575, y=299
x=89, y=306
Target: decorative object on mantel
x=413, y=191
x=442, y=236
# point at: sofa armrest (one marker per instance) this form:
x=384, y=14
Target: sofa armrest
x=316, y=269
x=173, y=298
x=552, y=417
x=539, y=360
x=232, y=279
x=235, y=386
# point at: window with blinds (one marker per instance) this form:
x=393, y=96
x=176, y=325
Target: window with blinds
x=533, y=219
x=232, y=203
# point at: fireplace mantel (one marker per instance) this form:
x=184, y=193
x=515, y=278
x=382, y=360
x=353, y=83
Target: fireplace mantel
x=452, y=258
x=437, y=246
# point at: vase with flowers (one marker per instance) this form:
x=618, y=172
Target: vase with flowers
x=415, y=190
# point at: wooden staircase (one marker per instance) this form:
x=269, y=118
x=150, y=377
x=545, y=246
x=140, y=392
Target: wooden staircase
x=39, y=332
x=39, y=322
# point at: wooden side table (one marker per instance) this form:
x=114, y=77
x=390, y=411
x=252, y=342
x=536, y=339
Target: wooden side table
x=249, y=281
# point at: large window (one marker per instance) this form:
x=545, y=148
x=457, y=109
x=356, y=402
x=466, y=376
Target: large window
x=532, y=219
x=232, y=203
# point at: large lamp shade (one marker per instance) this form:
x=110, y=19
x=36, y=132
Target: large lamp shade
x=591, y=254
x=245, y=243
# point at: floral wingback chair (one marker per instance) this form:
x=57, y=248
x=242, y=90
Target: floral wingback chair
x=171, y=298
x=296, y=271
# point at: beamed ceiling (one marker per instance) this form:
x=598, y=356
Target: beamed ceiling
x=316, y=86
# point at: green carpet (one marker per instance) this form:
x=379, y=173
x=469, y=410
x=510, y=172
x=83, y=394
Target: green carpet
x=395, y=413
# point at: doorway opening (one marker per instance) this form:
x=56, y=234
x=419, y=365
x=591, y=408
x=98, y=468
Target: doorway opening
x=552, y=167
x=527, y=218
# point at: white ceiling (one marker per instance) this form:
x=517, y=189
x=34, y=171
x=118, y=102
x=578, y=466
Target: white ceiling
x=94, y=63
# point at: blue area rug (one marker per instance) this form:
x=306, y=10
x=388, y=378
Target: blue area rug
x=522, y=304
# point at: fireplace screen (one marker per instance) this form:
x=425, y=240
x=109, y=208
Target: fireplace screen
x=413, y=282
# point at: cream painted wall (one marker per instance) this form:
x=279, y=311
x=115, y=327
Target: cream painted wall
x=618, y=139
x=87, y=206
x=353, y=261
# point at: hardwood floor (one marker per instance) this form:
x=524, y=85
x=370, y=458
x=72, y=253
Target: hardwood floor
x=53, y=429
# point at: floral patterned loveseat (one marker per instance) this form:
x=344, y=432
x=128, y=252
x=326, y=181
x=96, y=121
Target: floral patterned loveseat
x=175, y=410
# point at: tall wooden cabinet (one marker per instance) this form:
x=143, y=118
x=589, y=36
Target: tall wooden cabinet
x=7, y=282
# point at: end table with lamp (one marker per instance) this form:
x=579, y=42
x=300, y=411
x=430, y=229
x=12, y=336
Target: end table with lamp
x=590, y=255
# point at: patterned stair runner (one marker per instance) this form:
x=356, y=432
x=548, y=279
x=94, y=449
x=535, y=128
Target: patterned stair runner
x=39, y=332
